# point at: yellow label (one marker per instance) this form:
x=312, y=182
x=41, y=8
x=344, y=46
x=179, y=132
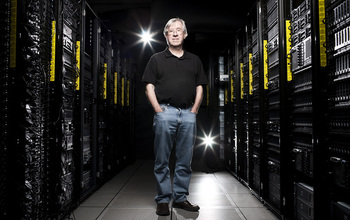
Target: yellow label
x=288, y=47
x=266, y=70
x=250, y=74
x=232, y=86
x=105, y=81
x=123, y=92
x=115, y=88
x=322, y=27
x=242, y=83
x=77, y=80
x=13, y=34
x=53, y=52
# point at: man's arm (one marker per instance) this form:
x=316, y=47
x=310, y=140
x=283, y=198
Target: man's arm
x=151, y=95
x=198, y=99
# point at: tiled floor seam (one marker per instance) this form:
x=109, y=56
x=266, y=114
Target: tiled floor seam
x=126, y=182
x=235, y=206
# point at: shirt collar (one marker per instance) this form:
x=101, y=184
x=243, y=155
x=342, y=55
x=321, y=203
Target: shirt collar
x=169, y=54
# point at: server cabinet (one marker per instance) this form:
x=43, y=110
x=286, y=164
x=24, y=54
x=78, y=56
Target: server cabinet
x=7, y=28
x=338, y=111
x=64, y=69
x=125, y=129
x=85, y=148
x=257, y=86
x=25, y=56
x=112, y=156
x=242, y=106
x=104, y=111
x=236, y=97
x=302, y=107
x=309, y=150
x=229, y=151
x=276, y=142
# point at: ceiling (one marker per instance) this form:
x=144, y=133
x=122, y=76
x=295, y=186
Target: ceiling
x=206, y=17
x=211, y=24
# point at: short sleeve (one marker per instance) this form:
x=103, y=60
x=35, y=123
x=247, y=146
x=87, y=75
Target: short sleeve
x=201, y=78
x=150, y=73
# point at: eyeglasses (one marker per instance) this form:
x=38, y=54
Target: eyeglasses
x=178, y=31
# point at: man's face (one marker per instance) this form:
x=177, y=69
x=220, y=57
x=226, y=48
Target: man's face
x=175, y=35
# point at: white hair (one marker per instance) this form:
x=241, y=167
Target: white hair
x=172, y=21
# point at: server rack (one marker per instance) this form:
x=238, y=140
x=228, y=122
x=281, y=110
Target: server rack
x=275, y=139
x=112, y=154
x=338, y=50
x=229, y=151
x=6, y=29
x=236, y=97
x=64, y=69
x=25, y=108
x=303, y=107
x=257, y=87
x=242, y=106
x=126, y=148
x=103, y=105
x=85, y=148
x=49, y=122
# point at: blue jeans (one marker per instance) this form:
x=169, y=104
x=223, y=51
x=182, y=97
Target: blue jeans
x=173, y=125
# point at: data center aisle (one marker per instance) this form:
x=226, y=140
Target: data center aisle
x=129, y=195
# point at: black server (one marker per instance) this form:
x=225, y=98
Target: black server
x=104, y=78
x=276, y=112
x=242, y=69
x=302, y=108
x=229, y=149
x=338, y=111
x=85, y=148
x=125, y=129
x=26, y=28
x=64, y=69
x=8, y=19
x=112, y=159
x=257, y=86
x=235, y=83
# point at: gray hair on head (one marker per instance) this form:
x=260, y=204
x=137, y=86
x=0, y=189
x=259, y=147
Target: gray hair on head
x=173, y=20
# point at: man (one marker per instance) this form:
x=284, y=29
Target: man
x=174, y=80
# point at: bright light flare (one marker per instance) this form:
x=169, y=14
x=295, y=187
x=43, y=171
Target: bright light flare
x=146, y=37
x=208, y=140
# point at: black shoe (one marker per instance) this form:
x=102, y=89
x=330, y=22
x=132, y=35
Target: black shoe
x=163, y=209
x=186, y=205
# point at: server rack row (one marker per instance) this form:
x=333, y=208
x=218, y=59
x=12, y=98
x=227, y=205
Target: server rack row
x=338, y=84
x=66, y=107
x=289, y=98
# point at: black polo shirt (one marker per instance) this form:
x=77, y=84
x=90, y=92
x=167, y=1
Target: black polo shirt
x=175, y=79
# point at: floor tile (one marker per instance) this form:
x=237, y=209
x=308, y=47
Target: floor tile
x=130, y=195
x=207, y=214
x=206, y=201
x=234, y=188
x=258, y=214
x=134, y=200
x=225, y=177
x=86, y=213
x=246, y=200
x=205, y=187
x=131, y=214
x=99, y=199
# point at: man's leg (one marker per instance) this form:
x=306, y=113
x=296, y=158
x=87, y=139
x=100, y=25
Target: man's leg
x=185, y=141
x=164, y=126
